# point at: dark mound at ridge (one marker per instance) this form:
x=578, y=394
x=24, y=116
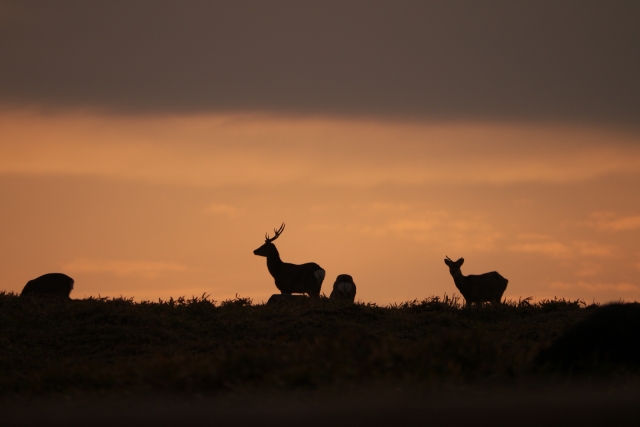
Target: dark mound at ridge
x=609, y=337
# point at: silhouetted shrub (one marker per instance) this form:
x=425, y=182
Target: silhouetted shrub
x=197, y=345
x=607, y=338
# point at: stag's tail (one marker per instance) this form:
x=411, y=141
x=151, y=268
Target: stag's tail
x=503, y=282
x=319, y=274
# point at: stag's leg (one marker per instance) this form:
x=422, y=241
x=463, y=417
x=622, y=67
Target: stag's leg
x=319, y=278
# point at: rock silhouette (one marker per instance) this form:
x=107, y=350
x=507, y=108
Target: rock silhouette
x=53, y=284
x=344, y=288
x=286, y=298
x=610, y=336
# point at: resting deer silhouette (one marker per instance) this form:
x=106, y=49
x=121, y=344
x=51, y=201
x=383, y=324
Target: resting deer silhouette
x=55, y=284
x=344, y=288
x=487, y=287
x=291, y=278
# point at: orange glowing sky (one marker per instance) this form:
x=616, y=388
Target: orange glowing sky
x=167, y=206
x=151, y=166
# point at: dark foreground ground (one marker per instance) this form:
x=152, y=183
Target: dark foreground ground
x=198, y=362
x=588, y=405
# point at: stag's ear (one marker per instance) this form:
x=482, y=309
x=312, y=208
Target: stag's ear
x=460, y=261
x=446, y=261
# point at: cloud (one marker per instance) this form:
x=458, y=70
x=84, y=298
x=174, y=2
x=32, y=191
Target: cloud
x=609, y=221
x=457, y=232
x=589, y=269
x=432, y=60
x=533, y=236
x=223, y=209
x=409, y=226
x=592, y=249
x=240, y=150
x=390, y=207
x=123, y=268
x=545, y=245
x=550, y=248
x=596, y=287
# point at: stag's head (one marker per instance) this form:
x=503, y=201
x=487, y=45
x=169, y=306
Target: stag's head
x=454, y=266
x=269, y=248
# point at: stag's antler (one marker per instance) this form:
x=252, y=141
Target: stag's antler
x=278, y=232
x=449, y=258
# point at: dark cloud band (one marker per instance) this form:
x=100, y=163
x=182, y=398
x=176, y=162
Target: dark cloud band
x=505, y=60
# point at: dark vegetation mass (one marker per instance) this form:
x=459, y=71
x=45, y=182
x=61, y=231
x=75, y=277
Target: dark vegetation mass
x=609, y=337
x=50, y=345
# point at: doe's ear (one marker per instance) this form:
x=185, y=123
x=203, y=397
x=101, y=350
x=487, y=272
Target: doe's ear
x=460, y=261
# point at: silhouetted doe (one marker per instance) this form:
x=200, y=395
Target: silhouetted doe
x=291, y=278
x=487, y=287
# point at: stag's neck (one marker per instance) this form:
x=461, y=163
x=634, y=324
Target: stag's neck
x=274, y=263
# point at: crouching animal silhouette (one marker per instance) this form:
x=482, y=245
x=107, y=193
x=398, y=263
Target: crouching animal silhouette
x=56, y=284
x=291, y=278
x=487, y=287
x=344, y=288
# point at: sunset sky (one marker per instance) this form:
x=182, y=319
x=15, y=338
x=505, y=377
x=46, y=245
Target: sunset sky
x=147, y=146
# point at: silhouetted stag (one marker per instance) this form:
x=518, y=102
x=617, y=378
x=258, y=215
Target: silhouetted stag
x=344, y=288
x=291, y=278
x=54, y=284
x=487, y=287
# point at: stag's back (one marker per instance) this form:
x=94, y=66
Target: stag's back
x=304, y=278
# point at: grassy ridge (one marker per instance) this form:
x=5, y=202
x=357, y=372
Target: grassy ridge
x=50, y=345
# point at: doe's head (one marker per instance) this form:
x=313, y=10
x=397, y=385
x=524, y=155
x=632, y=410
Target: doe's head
x=269, y=248
x=454, y=266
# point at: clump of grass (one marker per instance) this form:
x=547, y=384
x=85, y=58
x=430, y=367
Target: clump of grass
x=197, y=344
x=237, y=302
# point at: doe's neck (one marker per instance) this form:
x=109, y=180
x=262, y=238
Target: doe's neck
x=458, y=275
